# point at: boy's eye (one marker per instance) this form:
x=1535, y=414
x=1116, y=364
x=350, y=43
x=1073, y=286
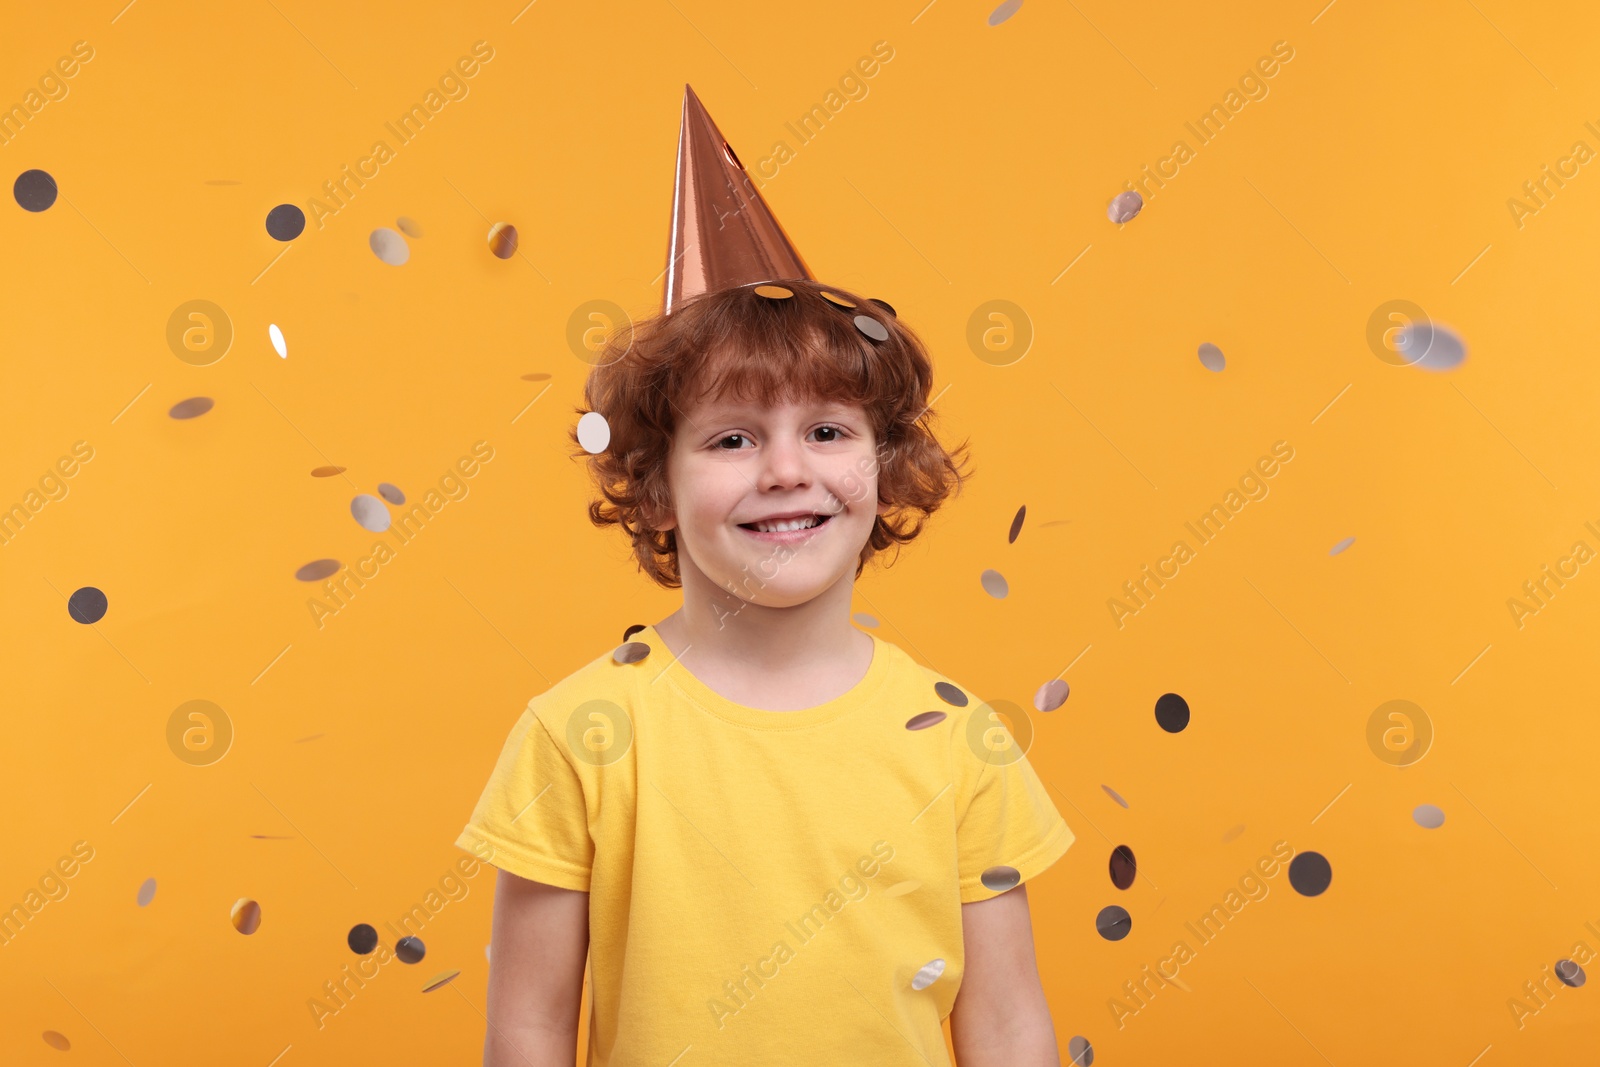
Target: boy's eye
x=741, y=437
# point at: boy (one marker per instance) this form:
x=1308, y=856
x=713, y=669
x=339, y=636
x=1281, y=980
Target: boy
x=777, y=839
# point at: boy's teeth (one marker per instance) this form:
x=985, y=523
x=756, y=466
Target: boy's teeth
x=791, y=524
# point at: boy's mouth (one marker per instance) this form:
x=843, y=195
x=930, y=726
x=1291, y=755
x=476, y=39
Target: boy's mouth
x=820, y=521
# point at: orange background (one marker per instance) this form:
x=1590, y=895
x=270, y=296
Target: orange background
x=977, y=167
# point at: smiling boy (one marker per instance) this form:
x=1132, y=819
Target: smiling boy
x=679, y=810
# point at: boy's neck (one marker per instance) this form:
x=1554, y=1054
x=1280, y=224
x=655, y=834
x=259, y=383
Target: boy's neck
x=773, y=658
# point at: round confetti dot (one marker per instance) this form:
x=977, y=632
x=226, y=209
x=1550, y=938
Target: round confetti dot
x=317, y=570
x=408, y=227
x=57, y=1041
x=1124, y=206
x=192, y=408
x=1016, y=525
x=594, y=432
x=87, y=605
x=994, y=583
x=884, y=304
x=1080, y=1051
x=925, y=720
x=391, y=493
x=1310, y=873
x=503, y=240
x=1430, y=346
x=1051, y=695
x=1172, y=712
x=861, y=618
x=1004, y=11
x=928, y=974
x=1233, y=833
x=275, y=335
x=370, y=512
x=362, y=939
x=1211, y=357
x=35, y=190
x=1113, y=923
x=246, y=916
x=389, y=246
x=774, y=292
x=1570, y=973
x=1123, y=867
x=871, y=327
x=536, y=377
x=900, y=889
x=285, y=222
x=836, y=300
x=439, y=980
x=630, y=652
x=1428, y=816
x=1341, y=546
x=410, y=949
x=1000, y=878
x=326, y=472
x=147, y=892
x=630, y=631
x=950, y=694
x=486, y=952
x=1114, y=795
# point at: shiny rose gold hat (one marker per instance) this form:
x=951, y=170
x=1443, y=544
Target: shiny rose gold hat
x=723, y=233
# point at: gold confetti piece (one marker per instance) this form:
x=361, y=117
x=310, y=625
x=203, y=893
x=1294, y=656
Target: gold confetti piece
x=774, y=292
x=503, y=240
x=246, y=916
x=440, y=980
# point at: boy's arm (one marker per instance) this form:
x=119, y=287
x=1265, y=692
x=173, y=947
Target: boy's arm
x=537, y=951
x=1000, y=1017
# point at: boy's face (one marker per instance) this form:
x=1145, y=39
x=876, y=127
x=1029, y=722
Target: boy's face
x=734, y=462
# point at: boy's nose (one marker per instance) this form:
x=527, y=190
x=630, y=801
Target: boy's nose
x=786, y=463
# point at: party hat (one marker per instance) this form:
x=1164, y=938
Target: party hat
x=723, y=233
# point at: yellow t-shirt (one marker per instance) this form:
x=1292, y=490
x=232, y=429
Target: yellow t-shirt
x=767, y=887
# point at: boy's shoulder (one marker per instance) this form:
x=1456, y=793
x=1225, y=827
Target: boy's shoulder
x=602, y=679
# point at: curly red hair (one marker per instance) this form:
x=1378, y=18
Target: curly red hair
x=764, y=351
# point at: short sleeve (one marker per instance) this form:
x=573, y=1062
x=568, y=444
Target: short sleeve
x=531, y=819
x=1004, y=814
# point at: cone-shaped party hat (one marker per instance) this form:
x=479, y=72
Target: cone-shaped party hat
x=723, y=233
